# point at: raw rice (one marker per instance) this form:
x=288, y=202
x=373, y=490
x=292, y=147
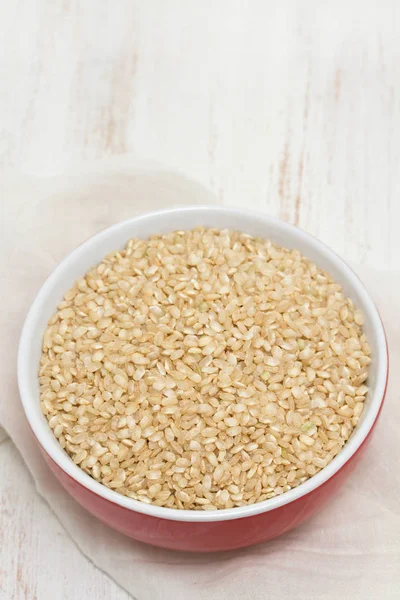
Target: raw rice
x=203, y=370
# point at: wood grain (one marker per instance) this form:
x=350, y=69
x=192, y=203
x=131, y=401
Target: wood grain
x=291, y=108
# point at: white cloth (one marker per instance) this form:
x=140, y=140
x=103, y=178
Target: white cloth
x=351, y=550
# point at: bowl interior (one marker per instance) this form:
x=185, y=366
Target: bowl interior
x=92, y=252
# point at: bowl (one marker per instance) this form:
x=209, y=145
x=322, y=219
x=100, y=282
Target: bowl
x=187, y=529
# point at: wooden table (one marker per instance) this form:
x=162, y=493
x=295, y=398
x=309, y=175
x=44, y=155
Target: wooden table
x=291, y=107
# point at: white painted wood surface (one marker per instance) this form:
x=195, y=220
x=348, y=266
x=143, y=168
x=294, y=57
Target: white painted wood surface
x=288, y=107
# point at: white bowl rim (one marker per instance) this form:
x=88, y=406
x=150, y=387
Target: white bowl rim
x=44, y=435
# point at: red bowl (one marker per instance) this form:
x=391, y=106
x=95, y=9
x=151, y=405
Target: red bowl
x=197, y=530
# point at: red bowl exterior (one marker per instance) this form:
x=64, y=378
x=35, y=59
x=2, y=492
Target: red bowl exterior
x=183, y=535
x=208, y=536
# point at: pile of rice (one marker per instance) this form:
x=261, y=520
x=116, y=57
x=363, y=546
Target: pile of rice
x=204, y=369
